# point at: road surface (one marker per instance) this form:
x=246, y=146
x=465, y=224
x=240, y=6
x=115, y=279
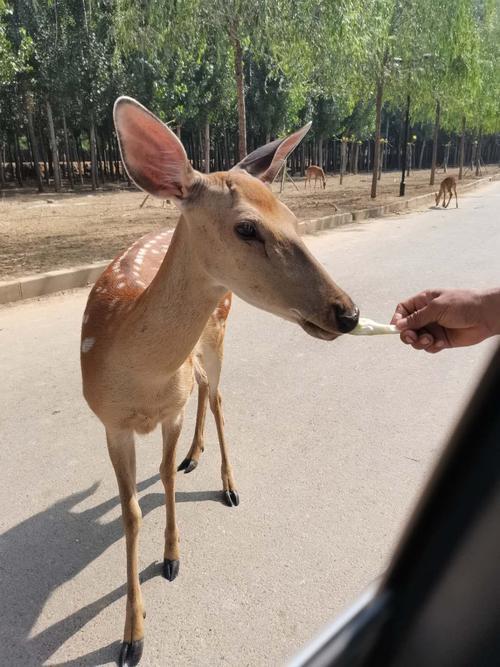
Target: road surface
x=330, y=442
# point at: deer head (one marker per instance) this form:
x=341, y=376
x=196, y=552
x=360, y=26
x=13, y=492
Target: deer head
x=241, y=234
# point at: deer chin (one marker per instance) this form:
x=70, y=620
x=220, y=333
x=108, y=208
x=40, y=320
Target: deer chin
x=317, y=332
x=311, y=328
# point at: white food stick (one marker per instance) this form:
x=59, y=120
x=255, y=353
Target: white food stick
x=367, y=327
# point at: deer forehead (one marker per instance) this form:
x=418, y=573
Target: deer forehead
x=242, y=195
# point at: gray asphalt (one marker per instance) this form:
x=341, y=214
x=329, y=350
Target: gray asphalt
x=331, y=444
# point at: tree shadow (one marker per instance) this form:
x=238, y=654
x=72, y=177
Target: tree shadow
x=50, y=548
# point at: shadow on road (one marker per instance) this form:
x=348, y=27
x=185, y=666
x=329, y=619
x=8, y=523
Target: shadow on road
x=47, y=550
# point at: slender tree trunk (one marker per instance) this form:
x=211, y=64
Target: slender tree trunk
x=240, y=92
x=356, y=158
x=320, y=152
x=435, y=143
x=225, y=149
x=376, y=148
x=422, y=151
x=17, y=153
x=93, y=153
x=178, y=131
x=56, y=167
x=69, y=161
x=2, y=165
x=478, y=154
x=33, y=142
x=206, y=147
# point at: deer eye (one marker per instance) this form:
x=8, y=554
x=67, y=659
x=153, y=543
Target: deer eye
x=246, y=230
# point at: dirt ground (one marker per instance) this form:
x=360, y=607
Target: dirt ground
x=53, y=231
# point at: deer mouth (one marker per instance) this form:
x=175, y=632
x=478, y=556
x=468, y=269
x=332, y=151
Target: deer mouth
x=312, y=328
x=317, y=332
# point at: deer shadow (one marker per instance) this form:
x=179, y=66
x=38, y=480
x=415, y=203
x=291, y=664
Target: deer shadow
x=50, y=548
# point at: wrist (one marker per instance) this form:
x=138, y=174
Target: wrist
x=490, y=300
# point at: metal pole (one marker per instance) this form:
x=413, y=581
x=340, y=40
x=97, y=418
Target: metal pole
x=405, y=148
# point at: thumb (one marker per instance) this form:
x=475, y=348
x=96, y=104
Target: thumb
x=418, y=319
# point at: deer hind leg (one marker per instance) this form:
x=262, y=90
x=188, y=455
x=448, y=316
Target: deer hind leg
x=449, y=198
x=212, y=359
x=171, y=430
x=456, y=198
x=121, y=449
x=198, y=446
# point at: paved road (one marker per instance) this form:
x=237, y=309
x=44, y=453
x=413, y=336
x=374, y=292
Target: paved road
x=330, y=444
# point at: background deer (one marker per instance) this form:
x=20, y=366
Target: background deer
x=154, y=318
x=318, y=173
x=447, y=185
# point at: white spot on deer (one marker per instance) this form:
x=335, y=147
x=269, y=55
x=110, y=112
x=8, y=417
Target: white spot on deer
x=104, y=290
x=113, y=303
x=226, y=302
x=87, y=344
x=155, y=252
x=120, y=285
x=138, y=261
x=141, y=283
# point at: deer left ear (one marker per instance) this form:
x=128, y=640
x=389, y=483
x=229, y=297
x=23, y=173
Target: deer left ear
x=266, y=161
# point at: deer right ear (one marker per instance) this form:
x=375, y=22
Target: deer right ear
x=153, y=156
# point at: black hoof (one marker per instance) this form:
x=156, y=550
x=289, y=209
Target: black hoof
x=187, y=465
x=170, y=569
x=131, y=653
x=231, y=498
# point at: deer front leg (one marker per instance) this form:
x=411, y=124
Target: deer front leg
x=197, y=446
x=171, y=430
x=121, y=449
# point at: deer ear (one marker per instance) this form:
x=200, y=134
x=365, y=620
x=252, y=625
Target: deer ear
x=266, y=161
x=153, y=156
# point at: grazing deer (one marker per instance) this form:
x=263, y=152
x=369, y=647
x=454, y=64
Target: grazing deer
x=447, y=185
x=318, y=173
x=155, y=318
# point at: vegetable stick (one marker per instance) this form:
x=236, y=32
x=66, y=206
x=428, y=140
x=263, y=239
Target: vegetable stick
x=367, y=327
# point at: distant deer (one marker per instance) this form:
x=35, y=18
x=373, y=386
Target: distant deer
x=155, y=319
x=448, y=185
x=318, y=173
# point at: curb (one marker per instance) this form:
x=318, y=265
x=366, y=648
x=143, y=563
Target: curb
x=80, y=276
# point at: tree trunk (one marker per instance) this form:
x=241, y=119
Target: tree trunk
x=356, y=158
x=422, y=151
x=478, y=154
x=2, y=165
x=178, y=131
x=240, y=91
x=376, y=148
x=320, y=152
x=17, y=153
x=206, y=145
x=69, y=161
x=435, y=143
x=33, y=142
x=93, y=153
x=56, y=168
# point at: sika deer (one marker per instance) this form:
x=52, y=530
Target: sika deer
x=447, y=185
x=150, y=317
x=318, y=173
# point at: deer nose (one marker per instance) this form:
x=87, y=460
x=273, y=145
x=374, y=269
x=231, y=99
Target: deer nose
x=347, y=318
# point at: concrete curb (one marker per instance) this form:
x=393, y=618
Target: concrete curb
x=80, y=276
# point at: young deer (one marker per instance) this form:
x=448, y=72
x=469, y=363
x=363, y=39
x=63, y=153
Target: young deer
x=155, y=318
x=447, y=185
x=318, y=173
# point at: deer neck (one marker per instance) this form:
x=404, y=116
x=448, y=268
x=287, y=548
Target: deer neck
x=169, y=317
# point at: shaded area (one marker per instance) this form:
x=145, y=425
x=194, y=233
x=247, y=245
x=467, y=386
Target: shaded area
x=47, y=550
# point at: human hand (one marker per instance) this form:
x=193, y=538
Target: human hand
x=438, y=319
